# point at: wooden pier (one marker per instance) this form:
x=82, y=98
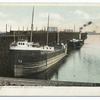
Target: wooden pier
x=6, y=81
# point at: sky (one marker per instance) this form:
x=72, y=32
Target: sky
x=63, y=17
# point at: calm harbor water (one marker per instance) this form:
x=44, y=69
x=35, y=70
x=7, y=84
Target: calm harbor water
x=81, y=65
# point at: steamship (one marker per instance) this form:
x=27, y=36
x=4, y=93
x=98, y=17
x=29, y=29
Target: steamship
x=78, y=43
x=28, y=57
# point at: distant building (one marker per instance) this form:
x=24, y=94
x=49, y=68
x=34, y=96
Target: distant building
x=68, y=30
x=53, y=29
x=71, y=30
x=93, y=33
x=41, y=30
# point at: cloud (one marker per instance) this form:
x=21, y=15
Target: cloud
x=4, y=15
x=83, y=14
x=52, y=16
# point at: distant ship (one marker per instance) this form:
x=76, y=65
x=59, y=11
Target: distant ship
x=29, y=57
x=77, y=43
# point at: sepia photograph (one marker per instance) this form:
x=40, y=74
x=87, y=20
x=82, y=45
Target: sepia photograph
x=50, y=47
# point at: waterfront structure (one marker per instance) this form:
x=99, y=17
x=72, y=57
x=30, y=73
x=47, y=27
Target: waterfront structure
x=53, y=29
x=29, y=57
x=68, y=30
x=92, y=33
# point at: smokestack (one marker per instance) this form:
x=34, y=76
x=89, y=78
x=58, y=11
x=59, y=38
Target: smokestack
x=57, y=38
x=80, y=32
x=6, y=28
x=14, y=36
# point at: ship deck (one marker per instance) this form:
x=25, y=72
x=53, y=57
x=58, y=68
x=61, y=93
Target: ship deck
x=43, y=52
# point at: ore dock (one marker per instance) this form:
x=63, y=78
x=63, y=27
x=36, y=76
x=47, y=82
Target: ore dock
x=6, y=78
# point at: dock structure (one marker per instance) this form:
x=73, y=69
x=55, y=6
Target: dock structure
x=38, y=36
x=6, y=81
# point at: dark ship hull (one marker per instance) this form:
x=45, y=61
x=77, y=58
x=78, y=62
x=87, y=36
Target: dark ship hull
x=26, y=62
x=76, y=45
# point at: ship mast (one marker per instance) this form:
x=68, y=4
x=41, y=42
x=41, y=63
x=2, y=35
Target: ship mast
x=14, y=37
x=80, y=35
x=47, y=29
x=74, y=32
x=32, y=25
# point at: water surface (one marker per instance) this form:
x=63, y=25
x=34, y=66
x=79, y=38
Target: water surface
x=81, y=65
